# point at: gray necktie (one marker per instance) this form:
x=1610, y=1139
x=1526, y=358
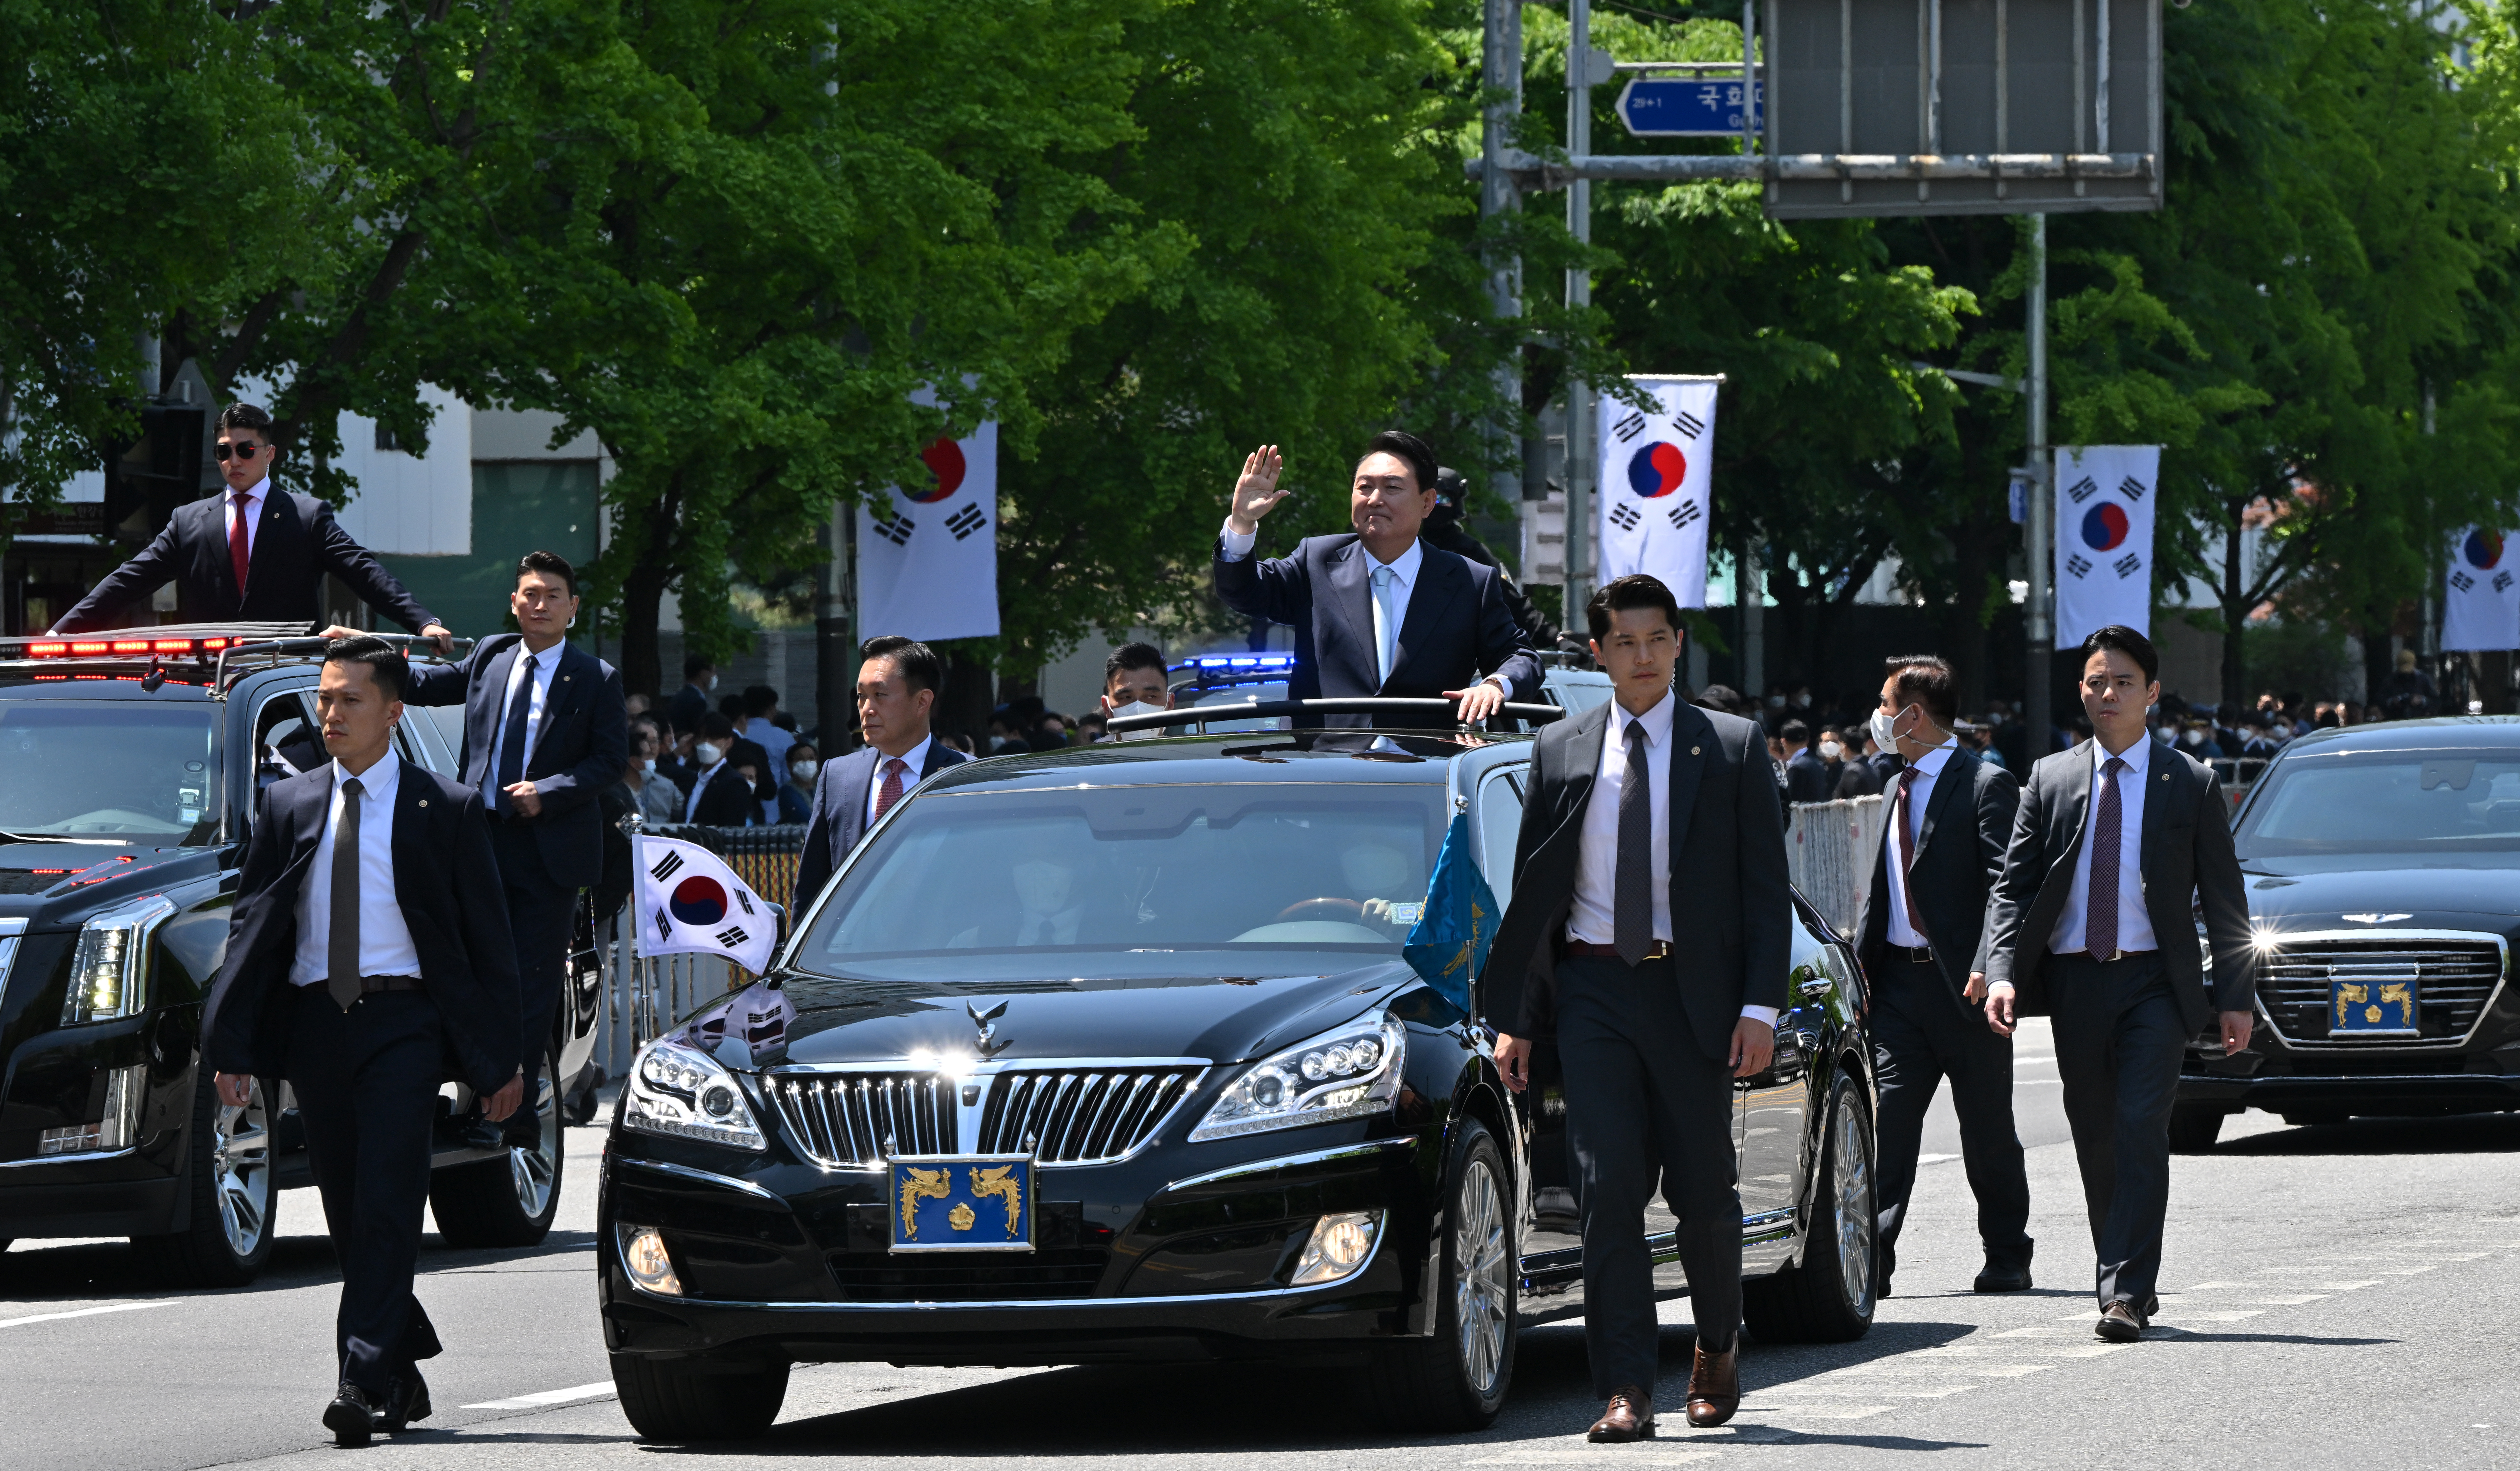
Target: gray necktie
x=1632, y=924
x=1384, y=579
x=341, y=945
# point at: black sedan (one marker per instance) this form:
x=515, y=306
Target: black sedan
x=1110, y=1055
x=2383, y=867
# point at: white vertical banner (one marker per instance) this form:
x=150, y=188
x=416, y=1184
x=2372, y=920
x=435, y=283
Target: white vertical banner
x=927, y=554
x=2481, y=596
x=1655, y=485
x=2105, y=500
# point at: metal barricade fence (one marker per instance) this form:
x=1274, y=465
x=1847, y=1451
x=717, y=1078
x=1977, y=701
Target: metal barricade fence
x=1831, y=848
x=644, y=998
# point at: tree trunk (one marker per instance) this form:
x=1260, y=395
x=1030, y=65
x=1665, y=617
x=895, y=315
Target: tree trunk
x=640, y=594
x=966, y=699
x=2236, y=618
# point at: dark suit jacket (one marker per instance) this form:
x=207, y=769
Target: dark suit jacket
x=2187, y=855
x=1959, y=856
x=1456, y=632
x=584, y=742
x=447, y=884
x=1729, y=900
x=727, y=801
x=688, y=708
x=840, y=814
x=1807, y=779
x=294, y=544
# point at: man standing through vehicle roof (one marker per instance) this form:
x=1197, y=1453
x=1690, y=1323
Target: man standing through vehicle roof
x=368, y=961
x=2115, y=838
x=255, y=555
x=1652, y=828
x=1376, y=611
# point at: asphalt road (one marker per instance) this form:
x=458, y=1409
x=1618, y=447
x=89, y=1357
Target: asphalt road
x=2338, y=1295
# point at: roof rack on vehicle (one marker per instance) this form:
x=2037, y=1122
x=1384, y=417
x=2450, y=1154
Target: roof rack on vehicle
x=1375, y=704
x=294, y=645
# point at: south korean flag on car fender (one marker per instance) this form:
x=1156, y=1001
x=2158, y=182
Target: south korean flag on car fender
x=691, y=903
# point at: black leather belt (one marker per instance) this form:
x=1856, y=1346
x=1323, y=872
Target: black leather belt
x=1917, y=955
x=370, y=985
x=2123, y=955
x=1661, y=951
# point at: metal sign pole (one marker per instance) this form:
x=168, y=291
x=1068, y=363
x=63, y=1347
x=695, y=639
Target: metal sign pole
x=1579, y=294
x=2038, y=524
x=1501, y=76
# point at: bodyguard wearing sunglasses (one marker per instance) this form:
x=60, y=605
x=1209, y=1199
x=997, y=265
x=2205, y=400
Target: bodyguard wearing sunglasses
x=255, y=555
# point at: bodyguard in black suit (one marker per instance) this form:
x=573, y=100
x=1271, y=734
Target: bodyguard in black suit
x=368, y=961
x=1922, y=940
x=1647, y=935
x=2090, y=927
x=897, y=683
x=544, y=734
x=255, y=554
x=1379, y=611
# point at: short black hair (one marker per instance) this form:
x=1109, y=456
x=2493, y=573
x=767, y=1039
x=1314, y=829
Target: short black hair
x=1452, y=496
x=1794, y=733
x=386, y=662
x=715, y=727
x=730, y=707
x=1413, y=451
x=245, y=415
x=1619, y=594
x=759, y=699
x=1925, y=679
x=919, y=667
x=697, y=664
x=2126, y=640
x=1132, y=656
x=549, y=563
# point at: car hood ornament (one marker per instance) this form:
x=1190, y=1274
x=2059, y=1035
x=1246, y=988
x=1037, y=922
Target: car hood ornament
x=2376, y=917
x=987, y=1022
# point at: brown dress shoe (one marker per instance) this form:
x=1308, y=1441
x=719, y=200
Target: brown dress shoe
x=1629, y=1417
x=2121, y=1323
x=1715, y=1386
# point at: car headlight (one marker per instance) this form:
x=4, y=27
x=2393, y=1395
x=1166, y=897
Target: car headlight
x=1344, y=1073
x=684, y=1094
x=110, y=972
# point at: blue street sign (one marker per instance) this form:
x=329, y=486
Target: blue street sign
x=1679, y=106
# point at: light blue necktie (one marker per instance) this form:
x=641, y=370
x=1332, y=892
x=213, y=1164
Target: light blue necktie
x=1385, y=580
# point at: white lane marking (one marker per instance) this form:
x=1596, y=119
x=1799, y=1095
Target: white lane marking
x=1934, y=1159
x=549, y=1397
x=2285, y=1298
x=2184, y=1317
x=1816, y=1412
x=1586, y=1453
x=1825, y=1390
x=53, y=1317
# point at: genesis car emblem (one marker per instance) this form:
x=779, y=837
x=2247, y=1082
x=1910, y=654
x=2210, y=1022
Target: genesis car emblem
x=986, y=1021
x=2376, y=918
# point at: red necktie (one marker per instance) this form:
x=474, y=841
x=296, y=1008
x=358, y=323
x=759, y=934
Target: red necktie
x=239, y=552
x=891, y=792
x=1908, y=849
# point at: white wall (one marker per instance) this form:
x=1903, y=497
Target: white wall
x=408, y=504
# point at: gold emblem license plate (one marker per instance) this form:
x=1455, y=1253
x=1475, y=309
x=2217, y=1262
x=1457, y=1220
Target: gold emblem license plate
x=960, y=1202
x=2372, y=1006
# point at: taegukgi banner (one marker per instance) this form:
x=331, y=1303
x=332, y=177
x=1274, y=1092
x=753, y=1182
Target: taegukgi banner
x=1656, y=484
x=2104, y=502
x=2481, y=591
x=927, y=554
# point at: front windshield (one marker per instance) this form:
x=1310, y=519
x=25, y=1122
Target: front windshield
x=110, y=768
x=2423, y=801
x=1247, y=868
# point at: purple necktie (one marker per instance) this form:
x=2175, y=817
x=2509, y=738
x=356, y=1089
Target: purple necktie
x=2100, y=925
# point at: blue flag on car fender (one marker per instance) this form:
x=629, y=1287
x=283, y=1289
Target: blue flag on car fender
x=1450, y=941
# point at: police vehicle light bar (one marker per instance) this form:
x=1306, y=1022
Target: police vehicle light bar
x=89, y=649
x=1239, y=661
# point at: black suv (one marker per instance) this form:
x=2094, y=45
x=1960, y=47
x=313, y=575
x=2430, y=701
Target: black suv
x=2383, y=871
x=128, y=764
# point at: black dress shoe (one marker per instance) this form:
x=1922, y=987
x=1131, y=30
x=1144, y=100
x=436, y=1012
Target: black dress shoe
x=408, y=1401
x=2121, y=1323
x=2002, y=1277
x=351, y=1416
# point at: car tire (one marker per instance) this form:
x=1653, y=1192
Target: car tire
x=234, y=1210
x=2193, y=1127
x=1456, y=1378
x=512, y=1200
x=1828, y=1297
x=678, y=1400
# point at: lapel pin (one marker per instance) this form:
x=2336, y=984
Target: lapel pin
x=1693, y=750
x=424, y=801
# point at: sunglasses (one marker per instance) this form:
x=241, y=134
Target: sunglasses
x=242, y=451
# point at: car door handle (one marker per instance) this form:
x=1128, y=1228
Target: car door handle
x=1816, y=988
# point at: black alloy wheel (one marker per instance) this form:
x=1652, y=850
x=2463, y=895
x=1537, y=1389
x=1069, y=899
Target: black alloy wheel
x=1456, y=1378
x=1828, y=1297
x=700, y=1398
x=232, y=1215
x=511, y=1200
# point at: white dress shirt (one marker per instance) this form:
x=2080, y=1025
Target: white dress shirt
x=385, y=941
x=2135, y=921
x=254, y=499
x=540, y=666
x=774, y=743
x=1594, y=918
x=1926, y=767
x=916, y=759
x=1235, y=547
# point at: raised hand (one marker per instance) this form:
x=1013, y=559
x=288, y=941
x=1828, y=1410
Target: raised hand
x=1256, y=493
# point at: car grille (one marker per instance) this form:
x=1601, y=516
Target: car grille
x=1073, y=1115
x=2457, y=977
x=1050, y=1273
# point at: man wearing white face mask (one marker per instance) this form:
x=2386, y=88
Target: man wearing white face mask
x=721, y=797
x=1133, y=683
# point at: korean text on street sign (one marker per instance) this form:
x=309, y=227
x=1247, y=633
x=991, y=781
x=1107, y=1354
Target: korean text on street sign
x=1675, y=106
